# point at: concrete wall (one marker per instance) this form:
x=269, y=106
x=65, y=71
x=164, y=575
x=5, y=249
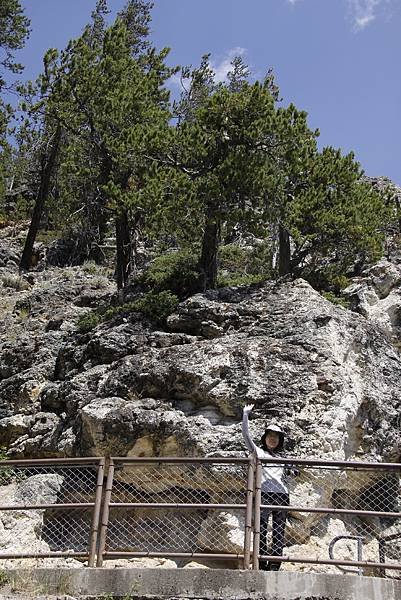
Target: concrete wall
x=207, y=584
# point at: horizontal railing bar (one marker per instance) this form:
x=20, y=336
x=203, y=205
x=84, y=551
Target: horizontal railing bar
x=177, y=459
x=72, y=505
x=286, y=461
x=319, y=561
x=174, y=505
x=43, y=555
x=331, y=463
x=341, y=511
x=117, y=554
x=218, y=460
x=90, y=460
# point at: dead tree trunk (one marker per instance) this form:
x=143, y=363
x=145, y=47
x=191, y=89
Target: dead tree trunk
x=124, y=249
x=210, y=246
x=284, y=254
x=48, y=163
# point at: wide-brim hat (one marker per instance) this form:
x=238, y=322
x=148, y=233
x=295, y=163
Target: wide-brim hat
x=276, y=429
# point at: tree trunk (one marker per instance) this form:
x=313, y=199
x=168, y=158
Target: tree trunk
x=210, y=245
x=284, y=253
x=124, y=249
x=101, y=212
x=48, y=164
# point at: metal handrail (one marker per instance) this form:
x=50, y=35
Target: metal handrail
x=103, y=503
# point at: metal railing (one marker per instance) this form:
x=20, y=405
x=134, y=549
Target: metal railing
x=332, y=502
x=338, y=515
x=175, y=507
x=52, y=506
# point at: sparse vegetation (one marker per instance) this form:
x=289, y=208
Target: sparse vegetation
x=339, y=300
x=155, y=306
x=15, y=282
x=4, y=578
x=244, y=266
x=176, y=272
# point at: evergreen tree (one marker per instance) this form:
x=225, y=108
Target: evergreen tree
x=114, y=101
x=14, y=30
x=221, y=151
x=334, y=218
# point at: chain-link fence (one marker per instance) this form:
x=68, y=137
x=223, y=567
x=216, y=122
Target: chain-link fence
x=50, y=508
x=178, y=508
x=329, y=515
x=297, y=514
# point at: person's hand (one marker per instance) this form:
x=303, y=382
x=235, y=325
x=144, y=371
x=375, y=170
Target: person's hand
x=247, y=409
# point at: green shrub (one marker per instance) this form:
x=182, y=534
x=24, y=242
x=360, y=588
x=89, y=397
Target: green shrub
x=175, y=272
x=48, y=236
x=9, y=475
x=244, y=266
x=154, y=306
x=88, y=322
x=233, y=258
x=336, y=299
x=157, y=306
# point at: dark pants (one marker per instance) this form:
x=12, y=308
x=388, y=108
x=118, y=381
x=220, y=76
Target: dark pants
x=279, y=518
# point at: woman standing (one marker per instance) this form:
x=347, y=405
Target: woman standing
x=274, y=489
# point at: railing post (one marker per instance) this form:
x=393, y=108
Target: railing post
x=105, y=513
x=96, y=514
x=256, y=518
x=248, y=514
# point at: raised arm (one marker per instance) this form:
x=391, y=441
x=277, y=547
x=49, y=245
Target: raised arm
x=250, y=444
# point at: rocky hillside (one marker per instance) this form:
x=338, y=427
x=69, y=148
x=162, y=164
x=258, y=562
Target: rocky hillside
x=329, y=375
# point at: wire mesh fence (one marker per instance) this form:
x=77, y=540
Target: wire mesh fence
x=179, y=507
x=50, y=507
x=332, y=513
x=328, y=515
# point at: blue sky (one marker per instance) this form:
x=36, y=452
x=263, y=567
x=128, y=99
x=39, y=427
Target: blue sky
x=336, y=59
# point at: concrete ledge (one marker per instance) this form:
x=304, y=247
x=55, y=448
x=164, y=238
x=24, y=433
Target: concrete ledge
x=207, y=584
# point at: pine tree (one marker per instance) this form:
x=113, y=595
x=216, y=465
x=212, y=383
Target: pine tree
x=14, y=30
x=221, y=150
x=116, y=103
x=334, y=218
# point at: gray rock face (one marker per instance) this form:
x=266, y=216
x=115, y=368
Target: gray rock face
x=377, y=296
x=329, y=376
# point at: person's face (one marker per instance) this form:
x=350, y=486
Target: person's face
x=272, y=440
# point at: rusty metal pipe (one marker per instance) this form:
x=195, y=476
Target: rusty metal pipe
x=31, y=462
x=318, y=561
x=236, y=460
x=96, y=515
x=248, y=515
x=256, y=518
x=108, y=555
x=105, y=513
x=177, y=459
x=332, y=463
x=335, y=511
x=72, y=505
x=9, y=555
x=174, y=505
